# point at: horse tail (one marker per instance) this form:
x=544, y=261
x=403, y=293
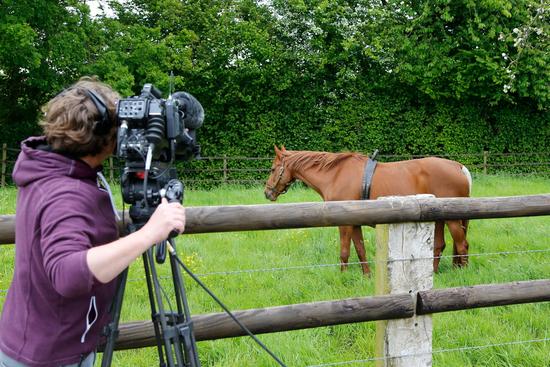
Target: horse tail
x=469, y=177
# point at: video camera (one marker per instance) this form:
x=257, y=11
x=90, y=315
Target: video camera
x=153, y=133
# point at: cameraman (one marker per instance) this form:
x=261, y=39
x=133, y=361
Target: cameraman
x=68, y=250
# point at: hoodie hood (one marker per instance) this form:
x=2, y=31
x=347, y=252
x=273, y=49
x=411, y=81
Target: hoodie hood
x=36, y=162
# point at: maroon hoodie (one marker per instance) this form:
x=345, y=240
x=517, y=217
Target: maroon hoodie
x=55, y=309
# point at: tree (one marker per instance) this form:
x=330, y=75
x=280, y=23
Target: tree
x=484, y=50
x=43, y=45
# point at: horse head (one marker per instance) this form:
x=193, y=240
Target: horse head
x=280, y=177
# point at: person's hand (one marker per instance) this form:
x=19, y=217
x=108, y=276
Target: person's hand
x=167, y=217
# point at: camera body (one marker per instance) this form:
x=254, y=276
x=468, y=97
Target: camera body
x=169, y=124
x=153, y=133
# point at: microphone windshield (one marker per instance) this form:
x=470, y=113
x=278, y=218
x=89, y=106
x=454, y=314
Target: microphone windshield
x=193, y=113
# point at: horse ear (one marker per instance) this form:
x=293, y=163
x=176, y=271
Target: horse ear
x=277, y=151
x=283, y=148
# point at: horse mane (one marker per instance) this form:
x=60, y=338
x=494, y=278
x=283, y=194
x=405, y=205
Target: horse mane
x=302, y=159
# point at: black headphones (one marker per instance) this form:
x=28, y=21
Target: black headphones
x=104, y=124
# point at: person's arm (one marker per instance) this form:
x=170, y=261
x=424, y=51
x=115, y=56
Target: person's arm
x=106, y=262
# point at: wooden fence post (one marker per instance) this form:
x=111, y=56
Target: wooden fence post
x=4, y=162
x=224, y=169
x=404, y=264
x=485, y=156
x=111, y=176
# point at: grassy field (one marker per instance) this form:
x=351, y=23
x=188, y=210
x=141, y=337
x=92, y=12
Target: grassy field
x=483, y=337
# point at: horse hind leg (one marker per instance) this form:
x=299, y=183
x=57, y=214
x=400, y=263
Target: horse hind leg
x=439, y=243
x=465, y=227
x=357, y=237
x=345, y=243
x=458, y=231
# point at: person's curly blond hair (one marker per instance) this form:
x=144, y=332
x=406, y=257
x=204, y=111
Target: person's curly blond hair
x=70, y=117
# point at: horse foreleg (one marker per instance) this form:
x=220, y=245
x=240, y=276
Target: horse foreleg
x=345, y=239
x=460, y=245
x=439, y=243
x=357, y=237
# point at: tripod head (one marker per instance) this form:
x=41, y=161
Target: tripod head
x=142, y=189
x=135, y=185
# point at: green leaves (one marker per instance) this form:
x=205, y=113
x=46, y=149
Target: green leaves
x=463, y=49
x=403, y=76
x=42, y=49
x=19, y=40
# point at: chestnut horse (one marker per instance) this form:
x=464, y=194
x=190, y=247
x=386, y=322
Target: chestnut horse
x=339, y=176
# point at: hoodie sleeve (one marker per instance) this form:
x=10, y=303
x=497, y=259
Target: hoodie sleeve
x=67, y=225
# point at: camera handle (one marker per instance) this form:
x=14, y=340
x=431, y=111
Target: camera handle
x=173, y=192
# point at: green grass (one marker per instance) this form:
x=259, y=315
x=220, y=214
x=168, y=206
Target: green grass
x=231, y=252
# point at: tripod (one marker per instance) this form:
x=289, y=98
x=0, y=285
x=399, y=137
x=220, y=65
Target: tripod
x=173, y=330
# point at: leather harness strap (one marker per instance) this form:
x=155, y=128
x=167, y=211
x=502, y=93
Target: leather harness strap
x=370, y=166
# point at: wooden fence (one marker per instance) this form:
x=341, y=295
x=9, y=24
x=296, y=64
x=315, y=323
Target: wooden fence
x=405, y=303
x=231, y=218
x=209, y=171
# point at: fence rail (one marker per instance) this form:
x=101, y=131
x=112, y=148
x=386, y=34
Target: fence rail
x=216, y=170
x=345, y=311
x=208, y=219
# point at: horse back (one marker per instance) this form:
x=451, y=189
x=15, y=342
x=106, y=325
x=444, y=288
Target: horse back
x=438, y=176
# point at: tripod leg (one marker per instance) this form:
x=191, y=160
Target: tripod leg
x=152, y=302
x=160, y=320
x=185, y=327
x=112, y=328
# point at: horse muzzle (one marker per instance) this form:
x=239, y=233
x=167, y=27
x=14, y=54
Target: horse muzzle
x=270, y=195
